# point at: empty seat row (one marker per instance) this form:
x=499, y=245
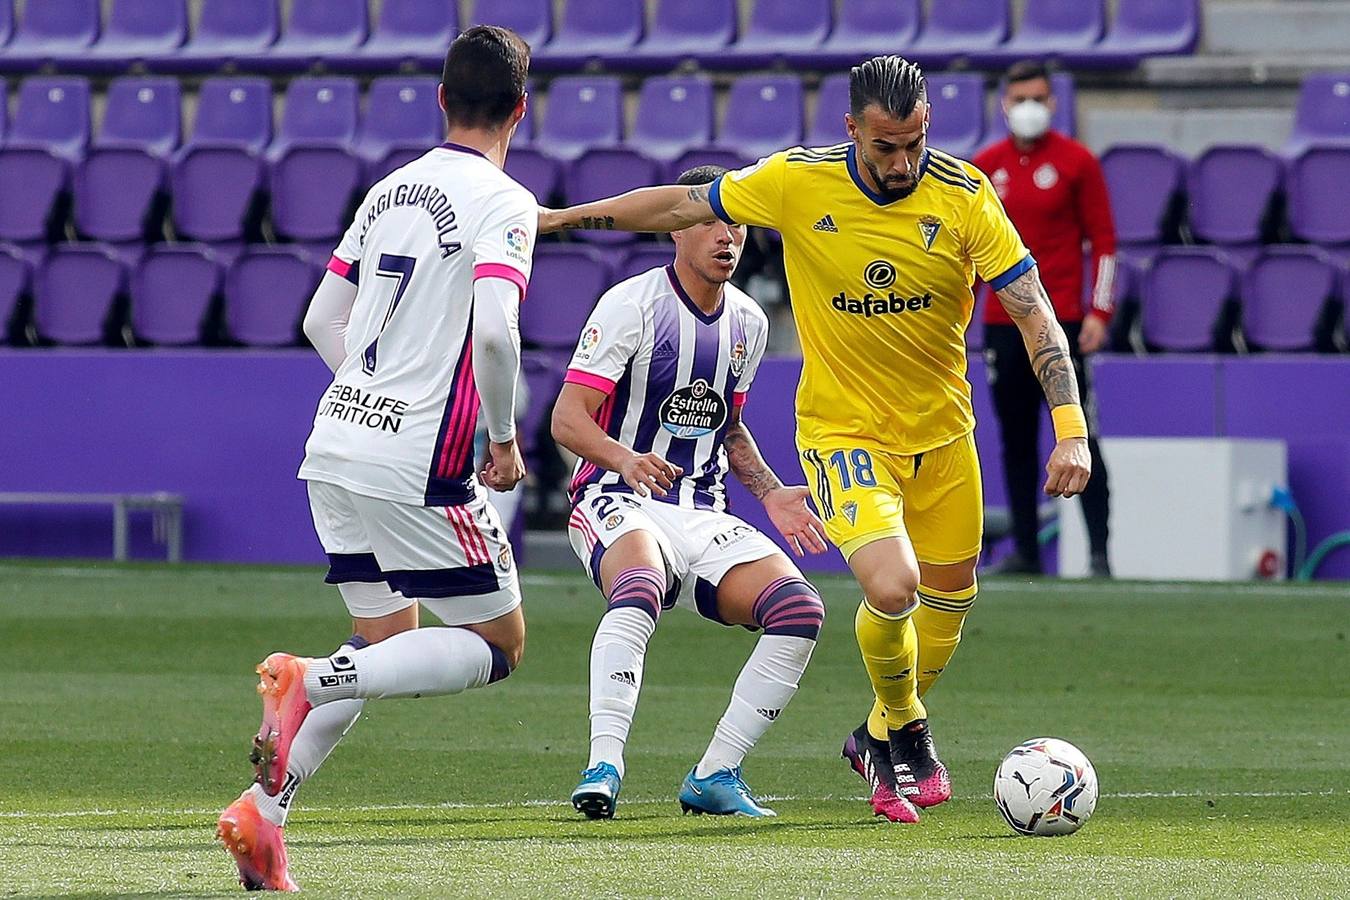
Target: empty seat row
x=1230, y=195
x=339, y=33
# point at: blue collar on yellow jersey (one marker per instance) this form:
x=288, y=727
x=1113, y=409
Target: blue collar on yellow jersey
x=878, y=199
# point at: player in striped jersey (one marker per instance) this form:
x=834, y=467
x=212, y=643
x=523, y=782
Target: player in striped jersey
x=652, y=406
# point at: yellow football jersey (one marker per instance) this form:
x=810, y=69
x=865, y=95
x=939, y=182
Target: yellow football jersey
x=881, y=290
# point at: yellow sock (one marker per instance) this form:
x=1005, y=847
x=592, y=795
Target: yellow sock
x=937, y=622
x=890, y=651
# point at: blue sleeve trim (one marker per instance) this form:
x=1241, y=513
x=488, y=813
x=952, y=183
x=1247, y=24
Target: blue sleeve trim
x=1026, y=265
x=715, y=199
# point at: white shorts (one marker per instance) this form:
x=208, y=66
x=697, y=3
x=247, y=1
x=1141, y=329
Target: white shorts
x=455, y=560
x=699, y=545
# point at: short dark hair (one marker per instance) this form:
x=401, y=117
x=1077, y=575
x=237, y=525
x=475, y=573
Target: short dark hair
x=484, y=76
x=1028, y=70
x=892, y=82
x=701, y=175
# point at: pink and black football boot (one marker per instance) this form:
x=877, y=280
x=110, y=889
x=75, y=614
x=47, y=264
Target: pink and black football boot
x=919, y=775
x=871, y=759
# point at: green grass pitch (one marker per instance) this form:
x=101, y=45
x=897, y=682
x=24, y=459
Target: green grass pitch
x=1218, y=718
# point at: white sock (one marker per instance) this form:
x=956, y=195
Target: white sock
x=416, y=663
x=323, y=728
x=616, y=677
x=764, y=687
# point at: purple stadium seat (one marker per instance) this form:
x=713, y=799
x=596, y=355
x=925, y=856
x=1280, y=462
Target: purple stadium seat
x=234, y=112
x=583, y=112
x=52, y=115
x=1065, y=120
x=6, y=22
x=682, y=29
x=31, y=181
x=603, y=173
x=566, y=282
x=115, y=191
x=74, y=293
x=1317, y=185
x=402, y=122
x=776, y=29
x=763, y=115
x=14, y=277
x=1186, y=292
x=702, y=156
x=674, y=114
x=312, y=191
x=215, y=190
x=591, y=29
x=863, y=29
x=1285, y=294
x=1142, y=180
x=956, y=123
x=4, y=108
x=1323, y=113
x=958, y=29
x=171, y=293
x=539, y=174
x=317, y=30
x=51, y=30
x=1143, y=28
x=827, y=128
x=1050, y=29
x=531, y=19
x=136, y=31
x=318, y=112
x=266, y=292
x=644, y=258
x=1229, y=191
x=228, y=30
x=144, y=113
x=408, y=31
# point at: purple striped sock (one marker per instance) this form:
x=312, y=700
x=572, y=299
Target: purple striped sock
x=790, y=606
x=640, y=587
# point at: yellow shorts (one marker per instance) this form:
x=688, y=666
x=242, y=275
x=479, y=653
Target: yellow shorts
x=935, y=498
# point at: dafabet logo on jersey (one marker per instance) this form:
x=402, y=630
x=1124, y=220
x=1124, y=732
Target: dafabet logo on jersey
x=880, y=275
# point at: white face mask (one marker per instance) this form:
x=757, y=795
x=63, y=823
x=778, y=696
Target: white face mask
x=1029, y=120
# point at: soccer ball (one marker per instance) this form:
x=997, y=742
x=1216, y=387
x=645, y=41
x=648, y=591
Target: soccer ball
x=1045, y=786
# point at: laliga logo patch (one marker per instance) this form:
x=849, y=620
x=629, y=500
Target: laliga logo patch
x=738, y=357
x=929, y=226
x=517, y=239
x=590, y=339
x=879, y=274
x=693, y=411
x=850, y=511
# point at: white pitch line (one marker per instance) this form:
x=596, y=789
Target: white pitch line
x=550, y=804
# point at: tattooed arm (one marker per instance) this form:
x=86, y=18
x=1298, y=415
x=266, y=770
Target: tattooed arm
x=667, y=208
x=1025, y=300
x=786, y=505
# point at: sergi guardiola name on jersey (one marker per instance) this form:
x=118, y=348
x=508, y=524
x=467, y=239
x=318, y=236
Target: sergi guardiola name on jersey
x=429, y=198
x=880, y=304
x=351, y=404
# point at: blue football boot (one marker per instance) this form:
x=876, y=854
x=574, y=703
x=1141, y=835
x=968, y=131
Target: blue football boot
x=598, y=792
x=723, y=793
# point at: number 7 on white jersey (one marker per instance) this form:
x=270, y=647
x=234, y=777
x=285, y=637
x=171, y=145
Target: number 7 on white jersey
x=391, y=266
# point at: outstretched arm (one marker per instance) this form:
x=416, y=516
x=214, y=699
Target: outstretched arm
x=1025, y=300
x=667, y=208
x=786, y=505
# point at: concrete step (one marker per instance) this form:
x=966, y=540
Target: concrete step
x=1285, y=28
x=1188, y=132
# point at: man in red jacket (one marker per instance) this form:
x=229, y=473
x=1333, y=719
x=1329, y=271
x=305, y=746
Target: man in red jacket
x=1053, y=190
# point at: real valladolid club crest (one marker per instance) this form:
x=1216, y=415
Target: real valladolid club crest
x=738, y=357
x=929, y=226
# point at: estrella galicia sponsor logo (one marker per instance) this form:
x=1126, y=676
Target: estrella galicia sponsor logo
x=888, y=304
x=879, y=274
x=693, y=411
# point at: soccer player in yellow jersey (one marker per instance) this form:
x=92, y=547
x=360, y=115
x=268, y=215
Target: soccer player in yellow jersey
x=882, y=239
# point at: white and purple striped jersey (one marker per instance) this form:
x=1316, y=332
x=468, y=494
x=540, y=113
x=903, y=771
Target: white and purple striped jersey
x=673, y=374
x=398, y=420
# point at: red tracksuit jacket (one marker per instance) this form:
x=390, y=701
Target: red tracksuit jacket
x=1056, y=196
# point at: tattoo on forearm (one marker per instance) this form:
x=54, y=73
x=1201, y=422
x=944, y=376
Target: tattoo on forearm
x=590, y=223
x=698, y=193
x=746, y=462
x=1029, y=306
